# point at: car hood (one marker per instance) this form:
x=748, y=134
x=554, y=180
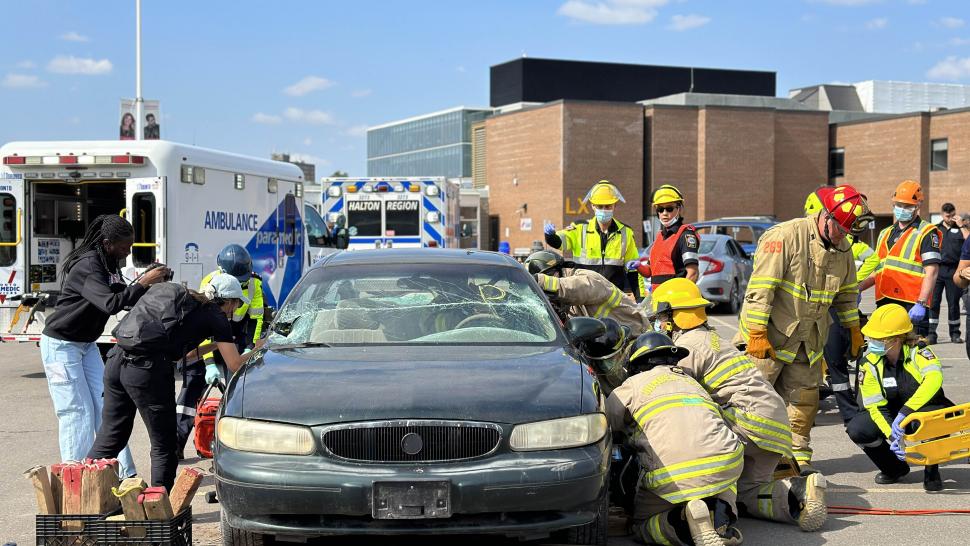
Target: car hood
x=316, y=386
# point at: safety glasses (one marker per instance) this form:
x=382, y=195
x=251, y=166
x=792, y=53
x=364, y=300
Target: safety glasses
x=668, y=208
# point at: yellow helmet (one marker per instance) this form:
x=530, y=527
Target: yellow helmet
x=667, y=194
x=888, y=321
x=683, y=297
x=604, y=193
x=813, y=204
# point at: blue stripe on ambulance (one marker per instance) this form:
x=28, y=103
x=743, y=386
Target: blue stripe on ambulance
x=265, y=257
x=338, y=206
x=429, y=206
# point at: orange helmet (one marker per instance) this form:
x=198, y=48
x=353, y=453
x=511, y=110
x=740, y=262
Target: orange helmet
x=909, y=192
x=844, y=204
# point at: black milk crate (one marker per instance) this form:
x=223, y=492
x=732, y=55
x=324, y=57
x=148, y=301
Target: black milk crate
x=97, y=531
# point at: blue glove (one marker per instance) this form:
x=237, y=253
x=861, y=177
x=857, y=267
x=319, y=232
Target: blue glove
x=632, y=265
x=549, y=228
x=212, y=374
x=917, y=313
x=898, y=449
x=897, y=426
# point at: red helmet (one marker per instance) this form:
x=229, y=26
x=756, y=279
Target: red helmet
x=845, y=205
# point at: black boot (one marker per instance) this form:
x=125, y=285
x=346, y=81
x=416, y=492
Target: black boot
x=931, y=478
x=890, y=468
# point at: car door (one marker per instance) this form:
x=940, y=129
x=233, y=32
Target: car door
x=745, y=265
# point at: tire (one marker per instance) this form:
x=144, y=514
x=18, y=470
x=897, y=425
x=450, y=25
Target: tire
x=594, y=532
x=238, y=537
x=733, y=305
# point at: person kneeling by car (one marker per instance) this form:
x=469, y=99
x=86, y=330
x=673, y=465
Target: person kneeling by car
x=160, y=328
x=584, y=291
x=690, y=459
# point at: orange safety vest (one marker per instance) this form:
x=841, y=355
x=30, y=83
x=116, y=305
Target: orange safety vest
x=661, y=254
x=900, y=272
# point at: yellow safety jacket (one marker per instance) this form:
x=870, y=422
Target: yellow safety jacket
x=866, y=260
x=794, y=283
x=900, y=272
x=253, y=289
x=582, y=245
x=685, y=447
x=885, y=392
x=749, y=403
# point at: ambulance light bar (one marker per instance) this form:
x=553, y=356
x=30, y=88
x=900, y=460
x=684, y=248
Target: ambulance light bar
x=74, y=160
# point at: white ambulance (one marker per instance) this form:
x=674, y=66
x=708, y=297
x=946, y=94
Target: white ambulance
x=410, y=212
x=185, y=203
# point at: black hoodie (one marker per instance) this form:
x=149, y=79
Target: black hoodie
x=89, y=296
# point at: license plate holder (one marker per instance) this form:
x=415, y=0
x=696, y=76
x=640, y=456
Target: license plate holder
x=411, y=500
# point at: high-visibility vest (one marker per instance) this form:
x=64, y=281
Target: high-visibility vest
x=900, y=272
x=661, y=255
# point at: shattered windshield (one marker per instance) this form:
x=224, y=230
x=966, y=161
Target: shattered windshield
x=414, y=304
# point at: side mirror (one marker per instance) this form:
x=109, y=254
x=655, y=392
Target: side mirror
x=342, y=239
x=580, y=329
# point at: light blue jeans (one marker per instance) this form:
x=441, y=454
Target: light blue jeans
x=75, y=377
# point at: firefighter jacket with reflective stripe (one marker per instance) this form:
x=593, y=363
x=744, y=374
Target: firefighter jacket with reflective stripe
x=254, y=309
x=589, y=294
x=749, y=403
x=685, y=447
x=900, y=272
x=582, y=245
x=866, y=260
x=904, y=387
x=795, y=281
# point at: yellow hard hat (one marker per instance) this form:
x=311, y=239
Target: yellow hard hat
x=604, y=193
x=888, y=321
x=683, y=298
x=667, y=194
x=813, y=204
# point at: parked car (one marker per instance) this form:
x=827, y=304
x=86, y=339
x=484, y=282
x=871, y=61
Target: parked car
x=746, y=230
x=408, y=391
x=724, y=269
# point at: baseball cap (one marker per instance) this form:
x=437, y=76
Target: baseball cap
x=225, y=286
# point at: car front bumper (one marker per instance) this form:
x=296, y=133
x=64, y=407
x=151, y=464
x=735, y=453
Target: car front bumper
x=511, y=493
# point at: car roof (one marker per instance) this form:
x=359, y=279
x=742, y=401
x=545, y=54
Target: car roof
x=725, y=222
x=715, y=237
x=371, y=257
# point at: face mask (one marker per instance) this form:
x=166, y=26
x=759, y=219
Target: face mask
x=658, y=325
x=671, y=221
x=903, y=214
x=877, y=347
x=603, y=216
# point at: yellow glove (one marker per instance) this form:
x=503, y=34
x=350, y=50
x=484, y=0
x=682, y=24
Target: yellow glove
x=856, y=342
x=758, y=345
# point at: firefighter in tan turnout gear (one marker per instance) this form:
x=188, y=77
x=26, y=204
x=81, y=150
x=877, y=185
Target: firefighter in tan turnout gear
x=690, y=460
x=802, y=267
x=754, y=411
x=584, y=292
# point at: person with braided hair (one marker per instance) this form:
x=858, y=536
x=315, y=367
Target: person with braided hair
x=91, y=291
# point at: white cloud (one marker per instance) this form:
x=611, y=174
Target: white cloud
x=681, y=23
x=356, y=131
x=460, y=68
x=74, y=120
x=877, y=23
x=308, y=85
x=266, y=119
x=951, y=22
x=69, y=64
x=361, y=93
x=312, y=117
x=611, y=12
x=74, y=37
x=26, y=64
x=307, y=141
x=952, y=68
x=959, y=41
x=916, y=2
x=850, y=2
x=22, y=81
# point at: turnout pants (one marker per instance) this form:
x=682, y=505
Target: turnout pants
x=836, y=347
x=944, y=282
x=797, y=383
x=759, y=494
x=147, y=386
x=656, y=521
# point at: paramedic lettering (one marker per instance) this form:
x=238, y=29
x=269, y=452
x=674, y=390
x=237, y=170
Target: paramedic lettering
x=231, y=221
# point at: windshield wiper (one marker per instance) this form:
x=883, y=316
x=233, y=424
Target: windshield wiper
x=303, y=345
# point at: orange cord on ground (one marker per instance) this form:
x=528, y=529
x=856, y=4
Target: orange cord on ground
x=869, y=511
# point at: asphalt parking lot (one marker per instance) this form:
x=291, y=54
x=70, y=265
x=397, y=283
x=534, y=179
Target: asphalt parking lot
x=28, y=435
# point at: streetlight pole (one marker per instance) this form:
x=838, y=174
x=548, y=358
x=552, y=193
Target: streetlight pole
x=139, y=102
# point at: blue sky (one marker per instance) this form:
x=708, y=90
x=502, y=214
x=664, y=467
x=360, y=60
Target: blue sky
x=308, y=77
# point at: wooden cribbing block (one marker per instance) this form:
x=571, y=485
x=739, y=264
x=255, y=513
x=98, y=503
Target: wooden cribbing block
x=40, y=479
x=156, y=504
x=57, y=485
x=184, y=490
x=97, y=481
x=71, y=475
x=127, y=493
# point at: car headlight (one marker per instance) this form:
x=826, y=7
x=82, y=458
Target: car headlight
x=559, y=433
x=263, y=437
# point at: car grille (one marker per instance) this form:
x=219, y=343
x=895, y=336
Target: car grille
x=412, y=441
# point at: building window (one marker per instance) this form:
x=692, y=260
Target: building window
x=938, y=154
x=836, y=162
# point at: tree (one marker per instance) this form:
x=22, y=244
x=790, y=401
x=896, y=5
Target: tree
x=339, y=174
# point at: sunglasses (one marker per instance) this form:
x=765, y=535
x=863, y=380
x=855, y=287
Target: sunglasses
x=669, y=208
